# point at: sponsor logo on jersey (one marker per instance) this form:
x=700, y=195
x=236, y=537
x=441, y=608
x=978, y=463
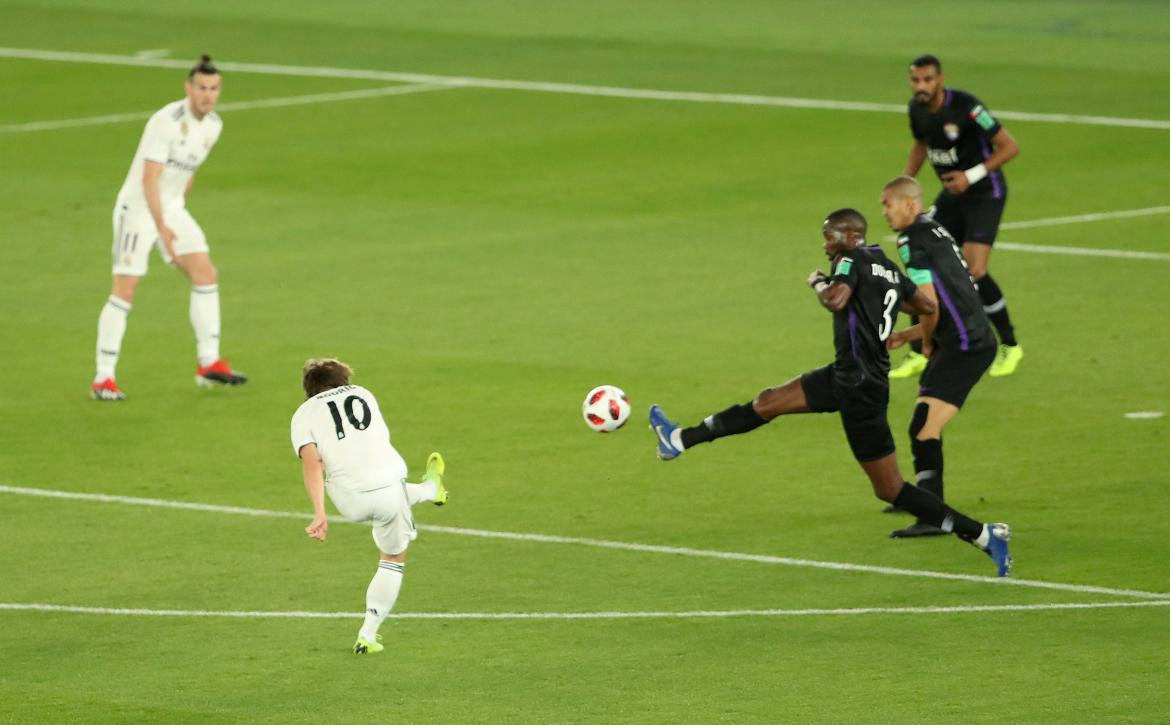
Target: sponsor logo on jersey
x=944, y=157
x=952, y=131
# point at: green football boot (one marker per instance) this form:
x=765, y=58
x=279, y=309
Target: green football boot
x=435, y=468
x=1007, y=359
x=913, y=364
x=363, y=646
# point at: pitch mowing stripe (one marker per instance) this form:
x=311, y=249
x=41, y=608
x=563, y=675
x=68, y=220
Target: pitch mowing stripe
x=603, y=544
x=232, y=106
x=568, y=88
x=696, y=614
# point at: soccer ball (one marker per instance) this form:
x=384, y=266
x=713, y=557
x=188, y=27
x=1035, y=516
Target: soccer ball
x=606, y=408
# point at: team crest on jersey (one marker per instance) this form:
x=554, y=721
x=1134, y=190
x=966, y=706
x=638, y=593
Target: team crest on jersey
x=183, y=128
x=952, y=131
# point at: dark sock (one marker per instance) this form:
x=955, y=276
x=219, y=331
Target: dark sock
x=928, y=465
x=733, y=421
x=915, y=345
x=931, y=510
x=996, y=308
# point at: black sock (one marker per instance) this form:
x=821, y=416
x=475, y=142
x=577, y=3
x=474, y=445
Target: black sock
x=928, y=465
x=996, y=308
x=931, y=510
x=733, y=421
x=915, y=345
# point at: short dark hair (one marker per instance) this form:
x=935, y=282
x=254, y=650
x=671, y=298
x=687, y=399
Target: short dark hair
x=204, y=66
x=847, y=219
x=925, y=60
x=321, y=374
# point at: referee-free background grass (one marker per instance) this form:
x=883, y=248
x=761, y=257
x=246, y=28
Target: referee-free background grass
x=483, y=258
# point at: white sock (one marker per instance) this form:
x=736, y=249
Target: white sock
x=984, y=537
x=380, y=597
x=676, y=439
x=420, y=492
x=205, y=321
x=111, y=328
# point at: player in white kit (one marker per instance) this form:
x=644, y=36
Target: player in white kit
x=339, y=432
x=151, y=212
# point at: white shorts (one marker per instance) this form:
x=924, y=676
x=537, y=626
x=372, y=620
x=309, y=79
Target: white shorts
x=135, y=235
x=386, y=509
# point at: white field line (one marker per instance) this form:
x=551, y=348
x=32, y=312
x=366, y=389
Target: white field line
x=1081, y=218
x=1082, y=251
x=605, y=544
x=696, y=614
x=232, y=106
x=567, y=88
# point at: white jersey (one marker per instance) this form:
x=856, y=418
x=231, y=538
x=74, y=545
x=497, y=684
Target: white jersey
x=352, y=438
x=175, y=139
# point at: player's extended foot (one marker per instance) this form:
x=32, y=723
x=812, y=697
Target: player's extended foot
x=916, y=530
x=363, y=646
x=106, y=390
x=997, y=548
x=435, y=468
x=1007, y=359
x=218, y=373
x=913, y=364
x=662, y=428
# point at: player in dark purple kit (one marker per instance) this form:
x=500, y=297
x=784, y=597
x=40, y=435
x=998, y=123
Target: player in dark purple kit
x=864, y=291
x=967, y=147
x=957, y=339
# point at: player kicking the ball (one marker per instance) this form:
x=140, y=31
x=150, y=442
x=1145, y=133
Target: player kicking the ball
x=151, y=211
x=864, y=292
x=339, y=429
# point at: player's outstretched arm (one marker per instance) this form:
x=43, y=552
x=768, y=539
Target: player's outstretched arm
x=313, y=470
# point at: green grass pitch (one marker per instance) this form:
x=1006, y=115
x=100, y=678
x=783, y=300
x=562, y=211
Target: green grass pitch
x=484, y=257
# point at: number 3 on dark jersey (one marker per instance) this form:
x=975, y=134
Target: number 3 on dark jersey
x=888, y=314
x=358, y=424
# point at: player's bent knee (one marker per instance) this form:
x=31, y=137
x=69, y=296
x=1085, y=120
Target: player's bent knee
x=205, y=274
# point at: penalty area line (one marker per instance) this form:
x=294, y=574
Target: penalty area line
x=694, y=614
x=606, y=544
